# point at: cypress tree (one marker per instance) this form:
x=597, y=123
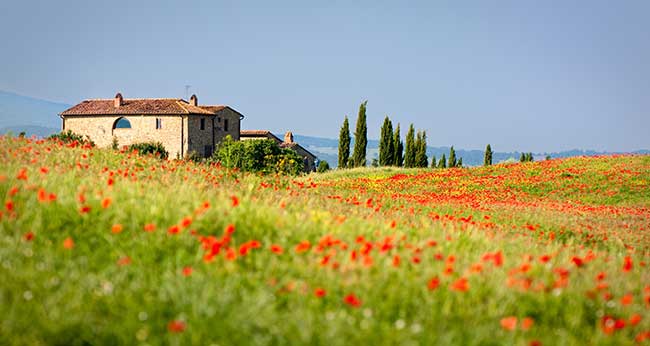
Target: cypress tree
x=487, y=160
x=344, y=144
x=421, y=150
x=452, y=158
x=460, y=162
x=360, y=138
x=522, y=158
x=530, y=157
x=409, y=152
x=443, y=162
x=399, y=148
x=386, y=144
x=434, y=163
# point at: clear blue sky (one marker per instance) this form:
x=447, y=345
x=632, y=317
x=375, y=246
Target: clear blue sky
x=521, y=75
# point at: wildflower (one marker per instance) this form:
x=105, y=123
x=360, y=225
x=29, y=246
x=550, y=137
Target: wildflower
x=106, y=202
x=627, y=299
x=230, y=229
x=44, y=170
x=22, y=174
x=68, y=243
x=527, y=323
x=635, y=319
x=433, y=283
x=460, y=285
x=319, y=292
x=276, y=249
x=396, y=261
x=29, y=236
x=231, y=254
x=627, y=264
x=303, y=246
x=150, y=227
x=9, y=205
x=173, y=229
x=234, y=200
x=509, y=323
x=577, y=261
x=352, y=300
x=84, y=209
x=176, y=326
x=187, y=271
x=110, y=182
x=126, y=260
x=117, y=228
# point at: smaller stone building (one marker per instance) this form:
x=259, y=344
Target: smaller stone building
x=182, y=127
x=309, y=158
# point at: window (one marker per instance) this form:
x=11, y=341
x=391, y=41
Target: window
x=122, y=123
x=202, y=123
x=225, y=124
x=158, y=123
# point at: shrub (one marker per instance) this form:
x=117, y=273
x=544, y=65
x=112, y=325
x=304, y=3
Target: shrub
x=259, y=155
x=149, y=148
x=70, y=137
x=323, y=166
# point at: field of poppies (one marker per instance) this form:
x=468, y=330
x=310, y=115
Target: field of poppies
x=99, y=247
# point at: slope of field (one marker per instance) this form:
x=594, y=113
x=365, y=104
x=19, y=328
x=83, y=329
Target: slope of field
x=100, y=247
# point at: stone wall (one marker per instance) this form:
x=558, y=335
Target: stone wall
x=233, y=124
x=143, y=129
x=201, y=141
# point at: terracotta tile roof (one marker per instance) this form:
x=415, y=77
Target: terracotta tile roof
x=213, y=109
x=137, y=106
x=250, y=133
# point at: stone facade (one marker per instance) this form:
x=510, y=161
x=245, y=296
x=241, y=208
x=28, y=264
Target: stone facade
x=192, y=128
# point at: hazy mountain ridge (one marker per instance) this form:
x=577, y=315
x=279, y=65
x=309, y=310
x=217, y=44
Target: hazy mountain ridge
x=38, y=117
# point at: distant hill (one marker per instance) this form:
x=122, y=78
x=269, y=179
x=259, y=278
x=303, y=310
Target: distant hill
x=38, y=117
x=34, y=116
x=327, y=149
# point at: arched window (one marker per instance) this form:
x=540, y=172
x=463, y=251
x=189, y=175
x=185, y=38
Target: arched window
x=122, y=123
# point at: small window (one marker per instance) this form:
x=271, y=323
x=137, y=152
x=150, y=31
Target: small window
x=202, y=123
x=225, y=124
x=158, y=123
x=122, y=123
x=218, y=119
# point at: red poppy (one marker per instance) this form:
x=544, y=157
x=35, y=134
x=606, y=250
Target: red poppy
x=627, y=264
x=106, y=202
x=352, y=300
x=509, y=323
x=461, y=285
x=173, y=229
x=117, y=228
x=126, y=260
x=68, y=243
x=303, y=246
x=527, y=323
x=319, y=292
x=234, y=200
x=187, y=271
x=186, y=221
x=433, y=283
x=276, y=249
x=22, y=174
x=635, y=319
x=150, y=227
x=230, y=229
x=9, y=205
x=176, y=326
x=29, y=236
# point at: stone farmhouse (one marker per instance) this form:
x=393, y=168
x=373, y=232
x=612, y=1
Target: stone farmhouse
x=309, y=159
x=182, y=127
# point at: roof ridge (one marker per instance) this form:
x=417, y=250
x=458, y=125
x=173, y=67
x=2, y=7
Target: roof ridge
x=141, y=99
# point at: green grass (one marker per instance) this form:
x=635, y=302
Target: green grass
x=90, y=293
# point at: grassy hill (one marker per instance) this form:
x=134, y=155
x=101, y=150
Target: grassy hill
x=100, y=247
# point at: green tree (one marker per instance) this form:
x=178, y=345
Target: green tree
x=360, y=138
x=451, y=162
x=409, y=152
x=399, y=148
x=487, y=159
x=434, y=163
x=323, y=166
x=421, y=159
x=523, y=157
x=530, y=157
x=386, y=144
x=460, y=162
x=443, y=162
x=344, y=144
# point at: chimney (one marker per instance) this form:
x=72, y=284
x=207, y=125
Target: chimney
x=118, y=101
x=288, y=137
x=193, y=100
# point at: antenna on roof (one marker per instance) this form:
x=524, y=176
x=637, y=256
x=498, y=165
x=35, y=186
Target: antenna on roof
x=187, y=91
